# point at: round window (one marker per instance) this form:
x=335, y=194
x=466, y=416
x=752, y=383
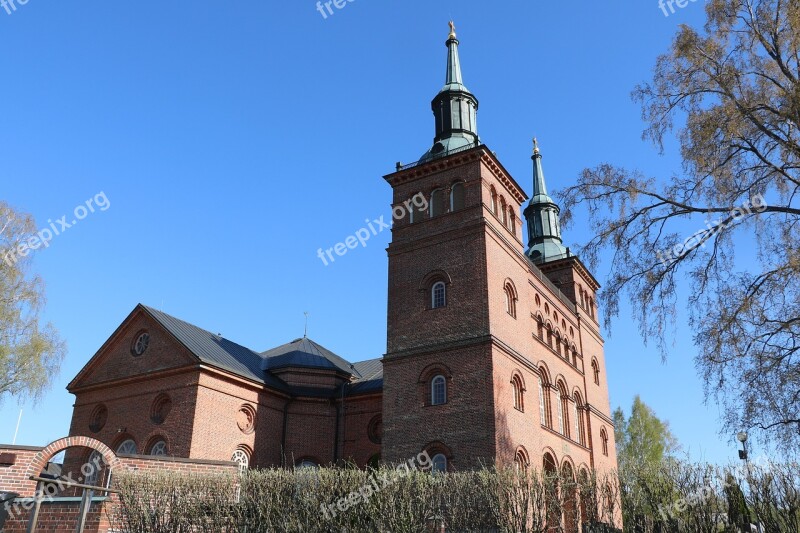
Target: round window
x=99, y=418
x=140, y=343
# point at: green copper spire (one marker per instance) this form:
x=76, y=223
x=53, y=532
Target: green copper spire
x=544, y=227
x=454, y=81
x=454, y=108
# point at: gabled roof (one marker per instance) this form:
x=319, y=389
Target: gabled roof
x=305, y=353
x=218, y=352
x=215, y=350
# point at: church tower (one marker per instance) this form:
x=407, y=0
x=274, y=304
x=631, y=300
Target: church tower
x=494, y=352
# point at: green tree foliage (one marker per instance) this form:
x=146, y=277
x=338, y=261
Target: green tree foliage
x=644, y=448
x=642, y=437
x=731, y=90
x=30, y=352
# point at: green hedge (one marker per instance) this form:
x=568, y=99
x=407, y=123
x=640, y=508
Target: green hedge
x=337, y=500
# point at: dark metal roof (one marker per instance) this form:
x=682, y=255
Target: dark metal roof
x=217, y=351
x=371, y=377
x=305, y=353
x=222, y=353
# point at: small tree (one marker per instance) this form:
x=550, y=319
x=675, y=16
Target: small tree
x=30, y=353
x=644, y=442
x=738, y=514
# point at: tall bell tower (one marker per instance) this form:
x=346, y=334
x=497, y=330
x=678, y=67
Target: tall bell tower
x=492, y=345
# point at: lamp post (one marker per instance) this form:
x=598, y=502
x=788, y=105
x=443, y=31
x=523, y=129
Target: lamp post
x=742, y=437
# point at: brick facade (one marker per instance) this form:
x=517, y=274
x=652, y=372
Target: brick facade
x=517, y=345
x=485, y=346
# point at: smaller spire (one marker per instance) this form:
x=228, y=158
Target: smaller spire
x=453, y=80
x=544, y=227
x=539, y=188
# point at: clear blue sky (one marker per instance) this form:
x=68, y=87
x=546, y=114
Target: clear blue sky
x=235, y=139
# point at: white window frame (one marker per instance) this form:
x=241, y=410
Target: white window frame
x=542, y=402
x=434, y=382
x=453, y=189
x=439, y=285
x=241, y=458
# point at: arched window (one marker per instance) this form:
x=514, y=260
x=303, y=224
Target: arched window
x=596, y=371
x=558, y=342
x=544, y=400
x=552, y=505
x=438, y=295
x=127, y=447
x=563, y=416
x=604, y=441
x=438, y=390
x=493, y=205
x=457, y=196
x=569, y=496
x=583, y=299
x=439, y=463
x=519, y=390
x=503, y=211
x=540, y=327
x=576, y=406
x=437, y=203
x=512, y=219
x=549, y=336
x=95, y=466
x=241, y=458
x=159, y=448
x=521, y=461
x=585, y=493
x=415, y=212
x=511, y=300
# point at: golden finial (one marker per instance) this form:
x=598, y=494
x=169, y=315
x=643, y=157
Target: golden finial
x=452, y=30
x=535, y=146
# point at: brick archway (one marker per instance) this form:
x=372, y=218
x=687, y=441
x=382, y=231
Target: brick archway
x=41, y=458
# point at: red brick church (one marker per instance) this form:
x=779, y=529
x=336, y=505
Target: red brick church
x=494, y=349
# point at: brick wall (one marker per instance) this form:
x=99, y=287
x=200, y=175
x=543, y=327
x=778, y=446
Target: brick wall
x=478, y=252
x=61, y=513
